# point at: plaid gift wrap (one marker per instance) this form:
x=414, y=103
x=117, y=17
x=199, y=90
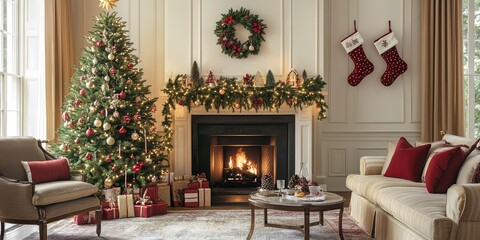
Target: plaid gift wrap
x=177, y=192
x=144, y=211
x=191, y=197
x=84, y=218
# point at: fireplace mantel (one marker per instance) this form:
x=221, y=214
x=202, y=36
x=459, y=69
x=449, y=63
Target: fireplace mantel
x=181, y=157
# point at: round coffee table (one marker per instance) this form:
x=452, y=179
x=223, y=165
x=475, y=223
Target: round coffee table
x=332, y=202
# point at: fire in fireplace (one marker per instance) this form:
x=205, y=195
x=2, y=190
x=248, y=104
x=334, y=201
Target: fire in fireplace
x=242, y=169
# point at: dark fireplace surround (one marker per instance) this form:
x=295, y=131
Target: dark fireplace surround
x=281, y=128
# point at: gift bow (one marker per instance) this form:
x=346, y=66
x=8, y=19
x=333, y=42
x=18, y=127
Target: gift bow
x=111, y=203
x=144, y=200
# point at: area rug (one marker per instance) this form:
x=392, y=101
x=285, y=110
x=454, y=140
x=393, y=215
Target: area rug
x=206, y=224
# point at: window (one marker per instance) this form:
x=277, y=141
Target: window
x=471, y=66
x=10, y=78
x=21, y=62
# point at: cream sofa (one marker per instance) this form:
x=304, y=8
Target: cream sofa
x=393, y=208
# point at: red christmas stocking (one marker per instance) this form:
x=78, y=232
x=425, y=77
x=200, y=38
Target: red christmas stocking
x=363, y=67
x=395, y=65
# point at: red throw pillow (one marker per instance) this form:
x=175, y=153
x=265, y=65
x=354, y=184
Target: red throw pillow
x=443, y=170
x=47, y=171
x=408, y=161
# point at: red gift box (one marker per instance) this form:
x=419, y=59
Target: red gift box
x=159, y=208
x=84, y=218
x=152, y=193
x=110, y=213
x=191, y=197
x=201, y=184
x=143, y=211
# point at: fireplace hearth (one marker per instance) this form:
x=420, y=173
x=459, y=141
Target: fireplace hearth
x=235, y=151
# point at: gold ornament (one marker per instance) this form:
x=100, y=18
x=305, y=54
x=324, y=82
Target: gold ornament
x=236, y=105
x=107, y=4
x=148, y=160
x=221, y=91
x=108, y=182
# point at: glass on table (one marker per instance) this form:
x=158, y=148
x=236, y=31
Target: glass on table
x=280, y=185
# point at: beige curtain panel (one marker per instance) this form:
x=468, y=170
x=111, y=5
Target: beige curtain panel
x=442, y=69
x=59, y=60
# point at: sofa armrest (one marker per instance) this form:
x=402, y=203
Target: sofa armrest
x=16, y=199
x=372, y=165
x=462, y=202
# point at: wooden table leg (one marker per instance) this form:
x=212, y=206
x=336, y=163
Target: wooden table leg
x=2, y=234
x=252, y=223
x=321, y=218
x=340, y=230
x=265, y=218
x=307, y=224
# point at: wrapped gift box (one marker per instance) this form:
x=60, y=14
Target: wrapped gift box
x=177, y=192
x=191, y=197
x=125, y=206
x=84, y=218
x=110, y=213
x=143, y=211
x=164, y=193
x=111, y=193
x=204, y=197
x=201, y=184
x=151, y=192
x=159, y=208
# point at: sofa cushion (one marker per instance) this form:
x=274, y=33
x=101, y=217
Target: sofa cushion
x=443, y=169
x=14, y=150
x=408, y=161
x=446, y=147
x=47, y=171
x=465, y=175
x=423, y=212
x=61, y=191
x=367, y=186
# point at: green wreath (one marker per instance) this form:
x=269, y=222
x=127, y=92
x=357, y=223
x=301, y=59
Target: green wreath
x=225, y=31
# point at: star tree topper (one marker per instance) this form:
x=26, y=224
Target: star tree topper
x=107, y=4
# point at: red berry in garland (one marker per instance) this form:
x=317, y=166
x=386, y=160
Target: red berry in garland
x=130, y=66
x=180, y=102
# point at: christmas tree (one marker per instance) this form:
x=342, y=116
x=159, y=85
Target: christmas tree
x=195, y=75
x=270, y=79
x=108, y=123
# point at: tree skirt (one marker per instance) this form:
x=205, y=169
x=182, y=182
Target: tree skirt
x=207, y=224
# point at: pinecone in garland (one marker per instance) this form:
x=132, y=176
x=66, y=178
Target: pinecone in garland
x=293, y=181
x=267, y=182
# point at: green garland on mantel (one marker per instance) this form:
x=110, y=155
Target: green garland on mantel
x=227, y=94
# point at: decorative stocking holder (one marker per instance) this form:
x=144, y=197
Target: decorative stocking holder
x=395, y=65
x=354, y=48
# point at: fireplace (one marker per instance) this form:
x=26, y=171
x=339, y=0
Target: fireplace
x=235, y=151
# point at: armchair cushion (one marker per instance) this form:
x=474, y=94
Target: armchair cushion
x=61, y=191
x=14, y=150
x=47, y=171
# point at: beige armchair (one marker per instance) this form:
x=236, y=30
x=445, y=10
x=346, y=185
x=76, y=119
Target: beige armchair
x=22, y=202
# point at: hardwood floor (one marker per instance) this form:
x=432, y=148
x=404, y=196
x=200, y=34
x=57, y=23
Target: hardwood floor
x=16, y=232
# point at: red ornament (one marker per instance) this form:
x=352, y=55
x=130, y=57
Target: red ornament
x=180, y=102
x=141, y=164
x=65, y=116
x=136, y=168
x=82, y=78
x=114, y=168
x=130, y=66
x=71, y=124
x=77, y=141
x=112, y=70
x=290, y=102
x=122, y=94
x=102, y=111
x=260, y=100
x=108, y=159
x=82, y=92
x=122, y=130
x=90, y=132
x=132, y=156
x=88, y=156
x=137, y=117
x=115, y=48
x=99, y=43
x=126, y=119
x=77, y=102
